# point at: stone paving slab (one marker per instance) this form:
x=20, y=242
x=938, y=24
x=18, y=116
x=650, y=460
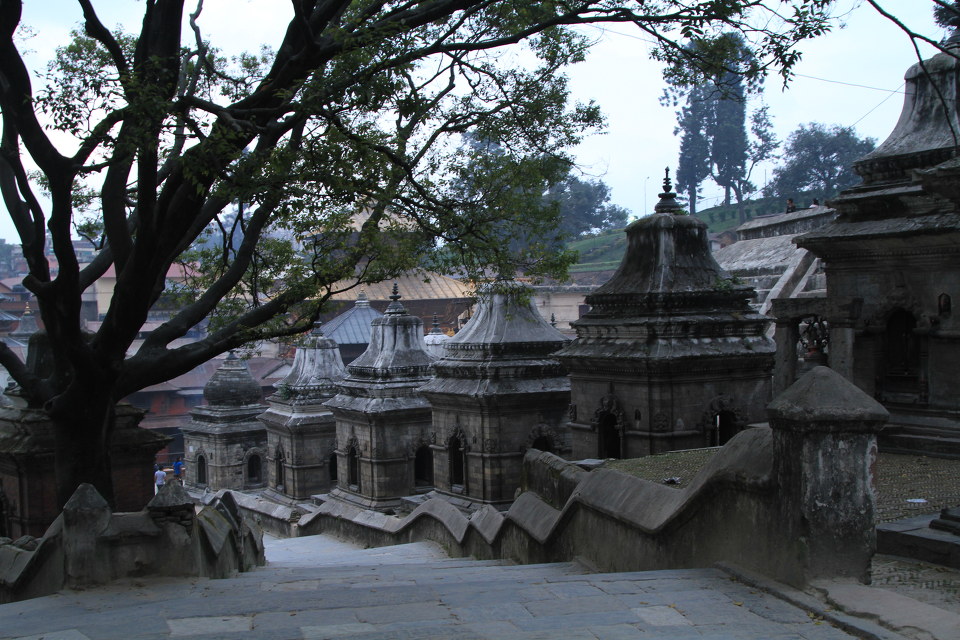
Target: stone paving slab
x=321, y=588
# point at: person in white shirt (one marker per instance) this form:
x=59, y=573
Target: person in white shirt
x=159, y=478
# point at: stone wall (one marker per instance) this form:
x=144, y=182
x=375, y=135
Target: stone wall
x=89, y=545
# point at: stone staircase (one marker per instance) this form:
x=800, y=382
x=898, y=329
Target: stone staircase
x=319, y=587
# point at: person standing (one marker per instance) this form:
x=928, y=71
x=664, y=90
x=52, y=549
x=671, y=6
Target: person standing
x=178, y=470
x=159, y=478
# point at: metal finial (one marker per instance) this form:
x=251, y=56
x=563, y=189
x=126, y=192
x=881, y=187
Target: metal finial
x=668, y=199
x=436, y=325
x=396, y=292
x=553, y=320
x=316, y=328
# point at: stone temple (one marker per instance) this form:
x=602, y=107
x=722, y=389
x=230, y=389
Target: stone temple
x=497, y=392
x=670, y=355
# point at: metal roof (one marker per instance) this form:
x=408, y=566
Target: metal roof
x=353, y=325
x=411, y=286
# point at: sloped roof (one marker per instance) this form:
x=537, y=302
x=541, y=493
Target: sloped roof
x=353, y=325
x=757, y=255
x=411, y=286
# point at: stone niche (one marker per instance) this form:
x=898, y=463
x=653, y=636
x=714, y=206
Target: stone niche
x=301, y=431
x=670, y=355
x=383, y=421
x=497, y=392
x=892, y=264
x=225, y=444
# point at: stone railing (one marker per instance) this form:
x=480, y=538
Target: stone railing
x=89, y=545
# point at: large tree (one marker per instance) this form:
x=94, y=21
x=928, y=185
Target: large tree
x=818, y=161
x=584, y=206
x=693, y=166
x=715, y=83
x=148, y=138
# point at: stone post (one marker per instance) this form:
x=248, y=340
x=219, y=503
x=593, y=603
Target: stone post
x=85, y=516
x=786, y=335
x=842, y=337
x=825, y=446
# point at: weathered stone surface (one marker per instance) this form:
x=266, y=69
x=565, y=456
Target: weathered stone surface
x=27, y=475
x=893, y=251
x=225, y=445
x=825, y=448
x=670, y=355
x=301, y=431
x=382, y=419
x=89, y=545
x=823, y=399
x=497, y=392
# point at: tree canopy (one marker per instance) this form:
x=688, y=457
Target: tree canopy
x=333, y=157
x=584, y=206
x=818, y=161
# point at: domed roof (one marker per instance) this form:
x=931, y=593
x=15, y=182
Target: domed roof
x=231, y=385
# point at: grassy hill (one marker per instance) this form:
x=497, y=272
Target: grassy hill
x=723, y=218
x=600, y=252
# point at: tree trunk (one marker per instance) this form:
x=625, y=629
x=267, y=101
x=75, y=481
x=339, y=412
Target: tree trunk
x=741, y=211
x=692, y=200
x=82, y=446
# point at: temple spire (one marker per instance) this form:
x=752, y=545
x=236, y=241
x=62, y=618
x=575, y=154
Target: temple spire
x=668, y=199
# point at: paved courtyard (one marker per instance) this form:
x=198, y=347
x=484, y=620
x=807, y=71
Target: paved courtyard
x=318, y=587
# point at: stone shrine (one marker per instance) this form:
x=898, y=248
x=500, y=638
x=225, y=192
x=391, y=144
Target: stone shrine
x=497, y=392
x=436, y=340
x=382, y=419
x=224, y=442
x=301, y=431
x=670, y=355
x=892, y=262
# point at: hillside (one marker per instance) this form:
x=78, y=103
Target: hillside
x=603, y=252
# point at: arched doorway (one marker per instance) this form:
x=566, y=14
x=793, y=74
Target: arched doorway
x=423, y=467
x=254, y=470
x=280, y=471
x=725, y=427
x=901, y=354
x=457, y=462
x=201, y=469
x=353, y=468
x=608, y=437
x=332, y=463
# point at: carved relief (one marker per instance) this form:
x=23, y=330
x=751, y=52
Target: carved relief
x=491, y=445
x=609, y=405
x=661, y=421
x=543, y=432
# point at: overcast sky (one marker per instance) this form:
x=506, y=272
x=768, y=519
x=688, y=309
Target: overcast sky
x=851, y=77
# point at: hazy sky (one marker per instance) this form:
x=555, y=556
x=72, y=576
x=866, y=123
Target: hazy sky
x=853, y=76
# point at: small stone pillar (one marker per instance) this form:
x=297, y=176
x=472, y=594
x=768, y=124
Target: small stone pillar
x=825, y=446
x=85, y=516
x=787, y=334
